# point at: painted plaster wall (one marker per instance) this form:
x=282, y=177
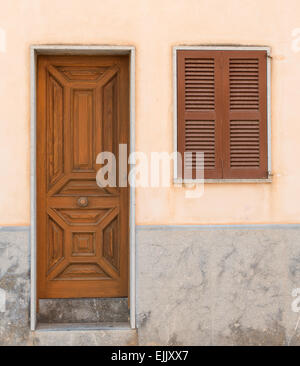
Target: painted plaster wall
x=153, y=27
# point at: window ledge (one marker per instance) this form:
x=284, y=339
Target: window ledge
x=201, y=181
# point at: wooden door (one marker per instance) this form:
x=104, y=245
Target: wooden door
x=82, y=229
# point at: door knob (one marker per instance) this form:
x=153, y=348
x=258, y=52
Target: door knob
x=82, y=201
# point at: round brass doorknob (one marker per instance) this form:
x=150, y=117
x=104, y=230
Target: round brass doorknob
x=82, y=201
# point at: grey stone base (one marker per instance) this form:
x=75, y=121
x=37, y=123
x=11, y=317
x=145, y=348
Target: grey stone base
x=14, y=285
x=218, y=286
x=195, y=286
x=14, y=313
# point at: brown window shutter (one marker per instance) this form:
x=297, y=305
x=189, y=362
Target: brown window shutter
x=222, y=111
x=198, y=129
x=245, y=115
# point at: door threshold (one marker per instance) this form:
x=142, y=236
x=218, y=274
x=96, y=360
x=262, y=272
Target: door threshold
x=83, y=326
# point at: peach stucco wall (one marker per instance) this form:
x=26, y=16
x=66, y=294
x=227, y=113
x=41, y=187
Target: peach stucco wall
x=153, y=27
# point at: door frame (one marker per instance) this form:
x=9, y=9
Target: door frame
x=79, y=50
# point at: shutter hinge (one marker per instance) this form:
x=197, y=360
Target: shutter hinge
x=269, y=56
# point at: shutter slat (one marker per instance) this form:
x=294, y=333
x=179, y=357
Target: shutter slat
x=200, y=137
x=249, y=134
x=199, y=73
x=243, y=73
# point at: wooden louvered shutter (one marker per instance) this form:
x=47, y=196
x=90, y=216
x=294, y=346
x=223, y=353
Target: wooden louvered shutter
x=222, y=111
x=198, y=130
x=245, y=109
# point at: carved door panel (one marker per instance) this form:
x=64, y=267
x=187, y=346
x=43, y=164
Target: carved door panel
x=82, y=229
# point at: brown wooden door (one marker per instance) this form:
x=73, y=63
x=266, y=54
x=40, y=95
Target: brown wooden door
x=82, y=229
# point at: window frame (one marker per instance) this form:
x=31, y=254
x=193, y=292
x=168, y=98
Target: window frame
x=179, y=180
